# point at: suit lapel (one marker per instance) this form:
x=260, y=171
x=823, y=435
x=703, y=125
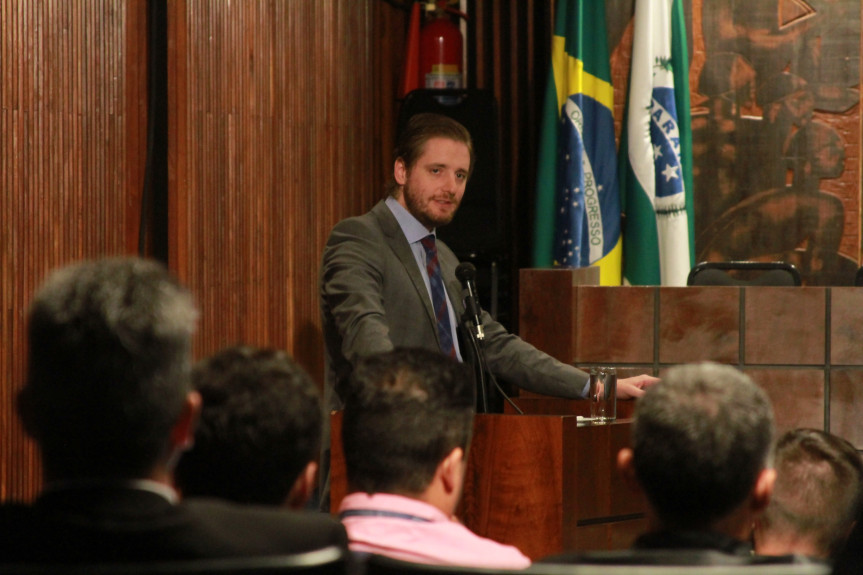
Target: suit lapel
x=402, y=250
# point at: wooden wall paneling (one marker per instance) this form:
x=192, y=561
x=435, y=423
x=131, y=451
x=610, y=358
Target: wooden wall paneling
x=72, y=111
x=818, y=383
x=135, y=71
x=389, y=30
x=272, y=134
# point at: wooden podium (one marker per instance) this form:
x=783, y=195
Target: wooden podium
x=540, y=482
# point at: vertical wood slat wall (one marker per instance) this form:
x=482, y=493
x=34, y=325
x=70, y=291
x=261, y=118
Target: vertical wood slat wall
x=282, y=119
x=275, y=134
x=72, y=137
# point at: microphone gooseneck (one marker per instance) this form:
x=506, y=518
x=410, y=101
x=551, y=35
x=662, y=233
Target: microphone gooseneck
x=465, y=272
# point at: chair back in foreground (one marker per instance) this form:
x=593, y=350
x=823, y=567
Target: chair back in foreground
x=676, y=562
x=744, y=273
x=381, y=565
x=326, y=561
x=755, y=569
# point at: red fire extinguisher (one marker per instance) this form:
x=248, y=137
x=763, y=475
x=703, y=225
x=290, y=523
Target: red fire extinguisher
x=441, y=48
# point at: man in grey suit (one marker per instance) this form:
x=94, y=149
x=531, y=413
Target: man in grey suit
x=378, y=284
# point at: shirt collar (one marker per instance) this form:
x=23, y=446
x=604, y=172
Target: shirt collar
x=394, y=503
x=411, y=227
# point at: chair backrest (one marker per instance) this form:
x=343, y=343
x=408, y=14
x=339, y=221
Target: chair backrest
x=381, y=565
x=858, y=277
x=676, y=562
x=744, y=273
x=326, y=561
x=608, y=564
x=756, y=569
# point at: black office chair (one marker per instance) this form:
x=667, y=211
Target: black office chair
x=744, y=273
x=326, y=561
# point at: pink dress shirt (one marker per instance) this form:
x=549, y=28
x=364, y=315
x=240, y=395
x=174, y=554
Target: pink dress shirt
x=410, y=530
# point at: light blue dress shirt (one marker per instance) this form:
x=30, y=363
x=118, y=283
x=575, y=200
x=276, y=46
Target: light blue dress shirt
x=414, y=231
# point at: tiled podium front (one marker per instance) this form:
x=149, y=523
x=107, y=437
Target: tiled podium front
x=803, y=345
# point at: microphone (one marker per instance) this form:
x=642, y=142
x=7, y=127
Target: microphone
x=466, y=274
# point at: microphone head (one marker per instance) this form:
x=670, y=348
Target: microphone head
x=465, y=272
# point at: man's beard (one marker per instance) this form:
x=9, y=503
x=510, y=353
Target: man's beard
x=423, y=215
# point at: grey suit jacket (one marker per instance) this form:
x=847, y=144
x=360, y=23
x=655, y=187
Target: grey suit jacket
x=373, y=298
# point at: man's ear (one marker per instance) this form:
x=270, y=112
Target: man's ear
x=400, y=172
x=451, y=470
x=763, y=490
x=303, y=487
x=626, y=467
x=183, y=432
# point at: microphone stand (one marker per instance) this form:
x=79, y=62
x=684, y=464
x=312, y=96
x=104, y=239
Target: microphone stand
x=481, y=368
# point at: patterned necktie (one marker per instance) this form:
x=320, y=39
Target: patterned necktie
x=441, y=309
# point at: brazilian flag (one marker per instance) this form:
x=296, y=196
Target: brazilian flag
x=578, y=201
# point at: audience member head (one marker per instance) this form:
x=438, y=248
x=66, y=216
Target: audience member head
x=260, y=429
x=107, y=393
x=816, y=495
x=701, y=439
x=408, y=420
x=420, y=129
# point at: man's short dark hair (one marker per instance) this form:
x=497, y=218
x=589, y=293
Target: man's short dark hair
x=817, y=488
x=260, y=426
x=419, y=130
x=405, y=411
x=109, y=344
x=700, y=439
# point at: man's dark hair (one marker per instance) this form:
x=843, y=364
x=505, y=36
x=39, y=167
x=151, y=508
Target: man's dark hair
x=421, y=128
x=700, y=439
x=817, y=489
x=261, y=424
x=108, y=370
x=405, y=411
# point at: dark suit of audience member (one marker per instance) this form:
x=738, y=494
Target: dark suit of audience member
x=259, y=434
x=849, y=559
x=108, y=401
x=815, y=497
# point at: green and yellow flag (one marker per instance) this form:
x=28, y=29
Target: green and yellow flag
x=578, y=202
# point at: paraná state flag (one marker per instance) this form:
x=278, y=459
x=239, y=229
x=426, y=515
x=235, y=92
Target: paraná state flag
x=656, y=150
